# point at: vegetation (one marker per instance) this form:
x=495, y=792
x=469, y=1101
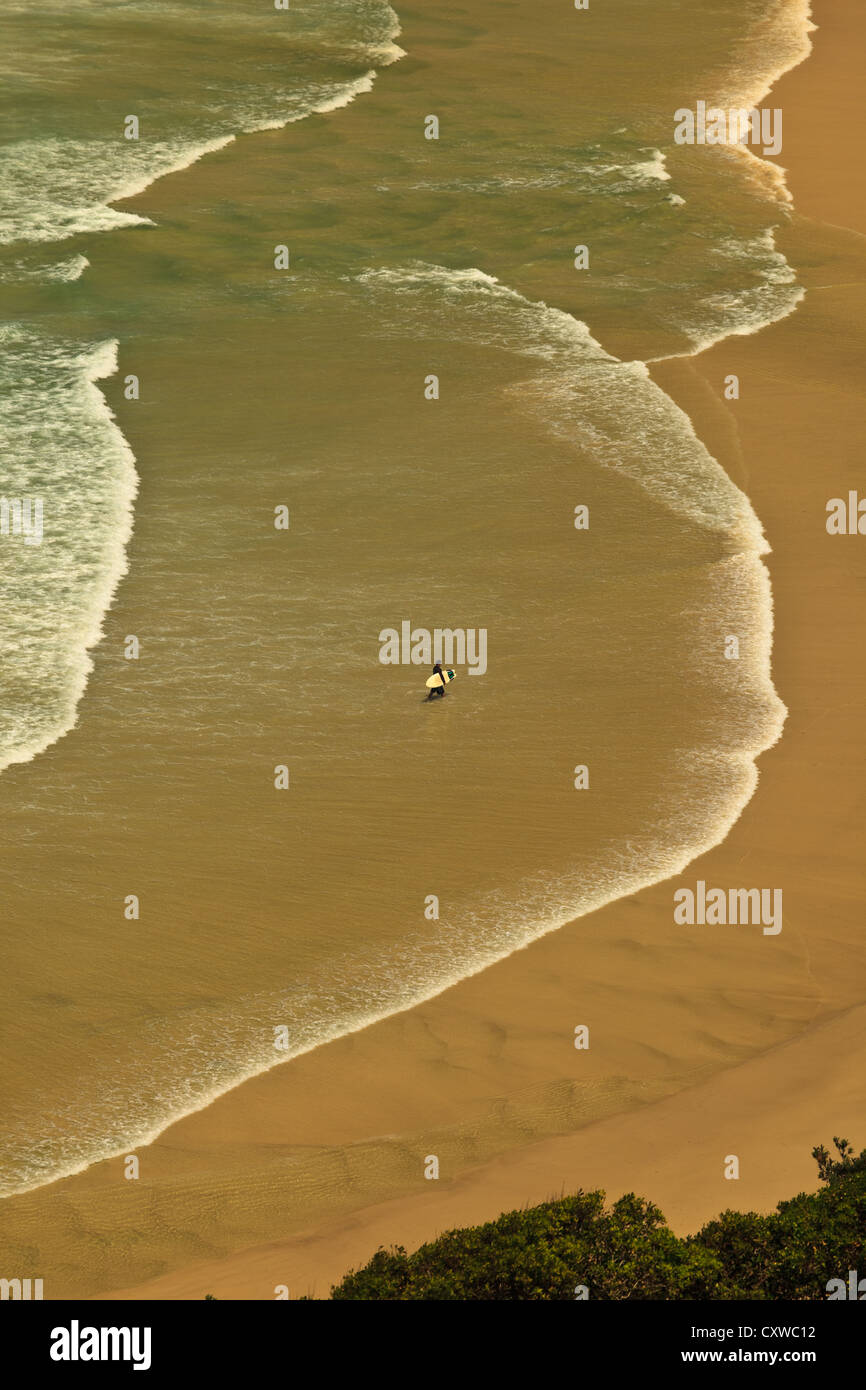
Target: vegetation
x=847, y=1162
x=627, y=1251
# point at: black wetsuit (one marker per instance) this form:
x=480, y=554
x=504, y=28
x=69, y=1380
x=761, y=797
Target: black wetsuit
x=439, y=689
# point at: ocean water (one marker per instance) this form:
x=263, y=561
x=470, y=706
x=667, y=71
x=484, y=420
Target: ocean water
x=304, y=387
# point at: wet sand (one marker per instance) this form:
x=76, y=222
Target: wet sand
x=704, y=1041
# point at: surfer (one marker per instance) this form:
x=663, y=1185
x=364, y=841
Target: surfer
x=440, y=690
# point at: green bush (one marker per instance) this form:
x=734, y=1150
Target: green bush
x=627, y=1251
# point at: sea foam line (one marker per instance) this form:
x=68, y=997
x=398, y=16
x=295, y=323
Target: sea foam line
x=92, y=422
x=788, y=27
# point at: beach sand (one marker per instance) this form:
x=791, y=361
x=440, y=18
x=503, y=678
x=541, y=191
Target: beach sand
x=705, y=1041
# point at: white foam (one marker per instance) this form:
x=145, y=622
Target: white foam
x=739, y=312
x=60, y=442
x=63, y=271
x=783, y=35
x=584, y=173
x=611, y=407
x=58, y=188
x=334, y=99
x=69, y=270
x=652, y=170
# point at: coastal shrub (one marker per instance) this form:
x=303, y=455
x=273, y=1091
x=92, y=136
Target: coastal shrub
x=796, y=1250
x=627, y=1251
x=545, y=1252
x=847, y=1162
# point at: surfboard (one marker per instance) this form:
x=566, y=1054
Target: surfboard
x=434, y=682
